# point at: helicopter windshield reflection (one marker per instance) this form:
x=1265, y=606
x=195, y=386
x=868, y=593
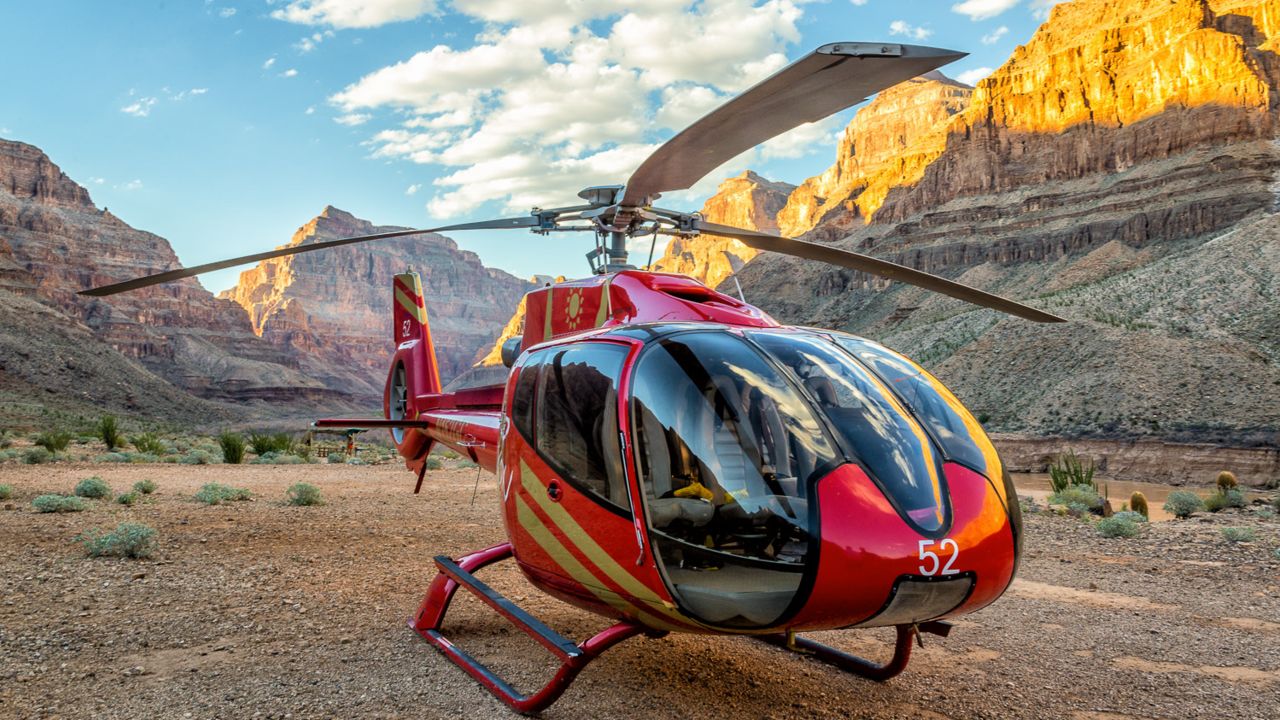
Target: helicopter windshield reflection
x=726, y=447
x=870, y=419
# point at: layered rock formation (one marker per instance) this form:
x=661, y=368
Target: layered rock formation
x=54, y=242
x=746, y=201
x=331, y=311
x=1091, y=175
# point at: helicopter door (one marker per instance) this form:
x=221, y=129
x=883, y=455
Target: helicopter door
x=566, y=409
x=727, y=450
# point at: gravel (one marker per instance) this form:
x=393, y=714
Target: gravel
x=264, y=610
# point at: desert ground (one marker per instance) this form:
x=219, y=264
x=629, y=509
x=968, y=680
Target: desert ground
x=260, y=609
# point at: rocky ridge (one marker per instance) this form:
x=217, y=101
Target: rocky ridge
x=338, y=324
x=1120, y=169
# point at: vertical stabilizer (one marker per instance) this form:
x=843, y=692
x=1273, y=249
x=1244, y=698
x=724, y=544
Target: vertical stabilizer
x=413, y=333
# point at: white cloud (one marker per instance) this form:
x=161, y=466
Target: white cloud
x=552, y=96
x=227, y=12
x=97, y=180
x=858, y=2
x=139, y=108
x=289, y=73
x=982, y=9
x=353, y=13
x=309, y=43
x=994, y=36
x=270, y=61
x=131, y=185
x=902, y=27
x=1040, y=8
x=310, y=111
x=412, y=189
x=353, y=119
x=971, y=77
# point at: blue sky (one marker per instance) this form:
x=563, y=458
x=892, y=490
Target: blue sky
x=224, y=125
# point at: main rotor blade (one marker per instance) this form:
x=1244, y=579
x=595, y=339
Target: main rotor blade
x=876, y=266
x=825, y=81
x=171, y=275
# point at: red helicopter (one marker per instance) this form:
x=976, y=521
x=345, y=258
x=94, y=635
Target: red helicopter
x=673, y=459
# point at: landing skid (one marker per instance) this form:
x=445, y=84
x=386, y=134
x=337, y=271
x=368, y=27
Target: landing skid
x=853, y=663
x=573, y=657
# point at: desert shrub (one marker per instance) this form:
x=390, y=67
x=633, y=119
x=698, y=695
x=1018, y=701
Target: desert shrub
x=1264, y=513
x=1226, y=481
x=1138, y=504
x=1074, y=494
x=1276, y=553
x=55, y=441
x=356, y=461
x=1067, y=470
x=148, y=443
x=1130, y=516
x=465, y=464
x=1220, y=500
x=215, y=494
x=198, y=457
x=276, y=458
x=128, y=540
x=335, y=458
x=6, y=440
x=434, y=463
x=109, y=432
x=1119, y=527
x=1239, y=534
x=1182, y=503
x=303, y=494
x=114, y=457
x=93, y=487
x=280, y=443
x=59, y=504
x=146, y=487
x=6, y=492
x=129, y=498
x=232, y=444
x=37, y=456
x=1275, y=503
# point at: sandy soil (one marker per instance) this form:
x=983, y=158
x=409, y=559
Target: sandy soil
x=259, y=609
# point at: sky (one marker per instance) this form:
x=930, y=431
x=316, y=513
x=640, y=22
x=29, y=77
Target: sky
x=224, y=125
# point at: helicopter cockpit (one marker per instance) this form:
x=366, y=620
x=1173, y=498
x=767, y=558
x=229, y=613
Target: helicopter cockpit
x=731, y=430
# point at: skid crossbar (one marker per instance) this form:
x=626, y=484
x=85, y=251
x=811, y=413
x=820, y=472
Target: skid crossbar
x=573, y=657
x=854, y=664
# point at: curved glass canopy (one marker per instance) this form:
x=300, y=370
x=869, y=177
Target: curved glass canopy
x=731, y=431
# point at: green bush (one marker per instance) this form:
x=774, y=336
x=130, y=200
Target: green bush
x=215, y=494
x=1182, y=503
x=275, y=458
x=279, y=443
x=1227, y=481
x=59, y=504
x=146, y=487
x=54, y=441
x=149, y=444
x=128, y=540
x=37, y=456
x=129, y=498
x=197, y=457
x=1119, y=527
x=94, y=487
x=6, y=492
x=232, y=444
x=1067, y=470
x=1229, y=499
x=1131, y=516
x=109, y=432
x=466, y=464
x=303, y=494
x=336, y=457
x=434, y=463
x=1239, y=534
x=356, y=461
x=1073, y=494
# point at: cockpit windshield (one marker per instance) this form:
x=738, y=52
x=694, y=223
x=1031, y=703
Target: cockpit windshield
x=726, y=446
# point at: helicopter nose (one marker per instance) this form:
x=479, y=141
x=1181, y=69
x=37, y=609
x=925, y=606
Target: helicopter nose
x=875, y=568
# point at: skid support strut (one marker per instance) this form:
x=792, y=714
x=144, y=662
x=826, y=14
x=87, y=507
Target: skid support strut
x=573, y=657
x=855, y=664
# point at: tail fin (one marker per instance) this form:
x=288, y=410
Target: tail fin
x=410, y=316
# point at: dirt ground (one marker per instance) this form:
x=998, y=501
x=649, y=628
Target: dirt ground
x=260, y=609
